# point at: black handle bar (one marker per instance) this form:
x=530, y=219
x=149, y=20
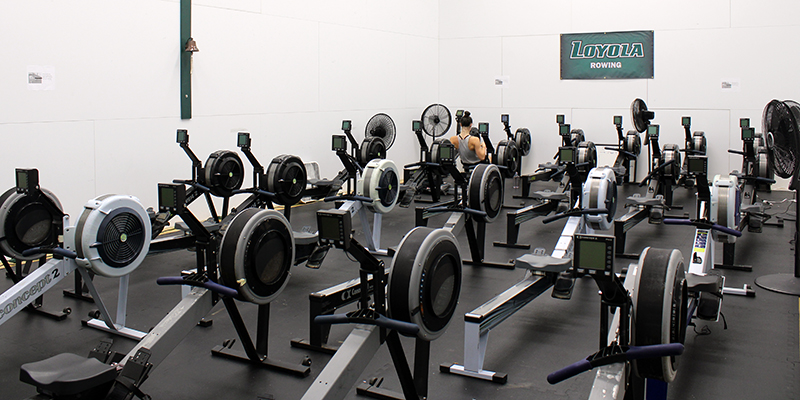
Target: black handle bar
x=256, y=191
x=757, y=179
x=655, y=171
x=702, y=225
x=384, y=322
x=212, y=286
x=50, y=250
x=617, y=149
x=471, y=211
x=362, y=199
x=632, y=353
x=192, y=184
x=692, y=151
x=572, y=213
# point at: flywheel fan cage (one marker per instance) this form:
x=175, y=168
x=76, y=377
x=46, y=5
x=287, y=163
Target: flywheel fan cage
x=224, y=173
x=287, y=177
x=121, y=237
x=27, y=222
x=112, y=236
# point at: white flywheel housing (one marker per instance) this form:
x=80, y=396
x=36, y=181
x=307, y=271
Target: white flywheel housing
x=381, y=183
x=600, y=191
x=26, y=221
x=112, y=236
x=725, y=201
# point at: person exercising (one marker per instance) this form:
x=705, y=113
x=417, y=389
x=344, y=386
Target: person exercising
x=471, y=149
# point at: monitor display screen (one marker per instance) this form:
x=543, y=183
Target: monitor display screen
x=459, y=113
x=618, y=120
x=686, y=121
x=748, y=133
x=22, y=179
x=744, y=122
x=566, y=155
x=346, y=125
x=244, y=139
x=183, y=136
x=416, y=126
x=559, y=119
x=697, y=165
x=483, y=127
x=166, y=196
x=446, y=152
x=504, y=118
x=563, y=130
x=339, y=142
x=329, y=227
x=652, y=131
x=592, y=255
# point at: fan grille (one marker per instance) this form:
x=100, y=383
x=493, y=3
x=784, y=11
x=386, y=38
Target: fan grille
x=780, y=127
x=388, y=187
x=381, y=126
x=436, y=120
x=121, y=238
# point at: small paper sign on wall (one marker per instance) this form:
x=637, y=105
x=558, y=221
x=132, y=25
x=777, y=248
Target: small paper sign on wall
x=607, y=55
x=41, y=77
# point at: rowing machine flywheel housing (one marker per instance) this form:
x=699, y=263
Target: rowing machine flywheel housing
x=371, y=148
x=508, y=156
x=485, y=190
x=29, y=220
x=699, y=141
x=633, y=143
x=425, y=280
x=256, y=254
x=600, y=191
x=587, y=153
x=435, y=148
x=725, y=203
x=286, y=177
x=576, y=136
x=523, y=139
x=380, y=182
x=763, y=169
x=660, y=309
x=672, y=152
x=223, y=173
x=112, y=235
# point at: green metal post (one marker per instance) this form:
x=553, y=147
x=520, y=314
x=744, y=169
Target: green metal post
x=186, y=60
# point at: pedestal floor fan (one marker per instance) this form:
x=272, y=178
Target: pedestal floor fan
x=782, y=133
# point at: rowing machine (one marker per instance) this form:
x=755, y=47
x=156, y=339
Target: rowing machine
x=421, y=295
x=475, y=203
x=110, y=239
x=596, y=211
x=638, y=351
x=255, y=257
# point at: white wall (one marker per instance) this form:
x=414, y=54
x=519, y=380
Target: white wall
x=290, y=71
x=287, y=71
x=697, y=44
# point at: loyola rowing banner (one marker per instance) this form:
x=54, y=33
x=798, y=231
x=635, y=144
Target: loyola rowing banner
x=613, y=55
